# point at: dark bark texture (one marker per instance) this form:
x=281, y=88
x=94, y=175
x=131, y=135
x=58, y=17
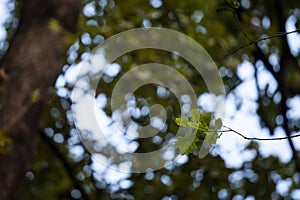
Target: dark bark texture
x=32, y=63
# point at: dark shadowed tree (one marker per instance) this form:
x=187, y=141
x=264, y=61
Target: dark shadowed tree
x=29, y=70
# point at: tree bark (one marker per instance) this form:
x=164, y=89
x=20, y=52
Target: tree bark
x=32, y=63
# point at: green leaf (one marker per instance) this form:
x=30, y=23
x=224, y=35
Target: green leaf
x=211, y=137
x=183, y=121
x=178, y=121
x=193, y=125
x=54, y=25
x=199, y=121
x=195, y=122
x=195, y=114
x=218, y=123
x=35, y=96
x=202, y=127
x=186, y=143
x=4, y=141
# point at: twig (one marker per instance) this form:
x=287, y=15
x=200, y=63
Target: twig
x=67, y=165
x=280, y=34
x=240, y=27
x=255, y=138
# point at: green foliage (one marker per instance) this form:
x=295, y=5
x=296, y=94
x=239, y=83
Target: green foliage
x=4, y=141
x=197, y=121
x=188, y=142
x=218, y=123
x=211, y=138
x=35, y=96
x=209, y=177
x=54, y=25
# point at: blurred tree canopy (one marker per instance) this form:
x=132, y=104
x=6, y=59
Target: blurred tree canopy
x=41, y=154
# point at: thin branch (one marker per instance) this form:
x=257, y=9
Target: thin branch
x=67, y=165
x=279, y=34
x=232, y=9
x=255, y=138
x=241, y=28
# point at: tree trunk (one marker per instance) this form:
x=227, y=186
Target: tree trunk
x=32, y=63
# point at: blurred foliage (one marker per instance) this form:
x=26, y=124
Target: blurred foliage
x=188, y=142
x=206, y=178
x=4, y=141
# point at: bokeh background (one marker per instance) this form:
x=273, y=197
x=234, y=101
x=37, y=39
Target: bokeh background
x=43, y=44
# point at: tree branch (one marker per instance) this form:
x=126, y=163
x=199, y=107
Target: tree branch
x=279, y=34
x=240, y=27
x=256, y=138
x=66, y=164
x=284, y=89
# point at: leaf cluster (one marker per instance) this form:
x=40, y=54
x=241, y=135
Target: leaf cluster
x=198, y=122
